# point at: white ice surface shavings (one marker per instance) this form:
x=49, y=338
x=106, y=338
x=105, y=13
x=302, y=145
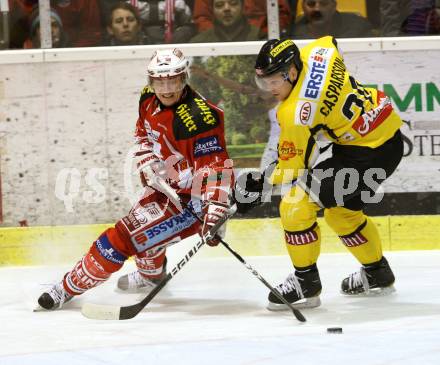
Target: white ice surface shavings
x=213, y=312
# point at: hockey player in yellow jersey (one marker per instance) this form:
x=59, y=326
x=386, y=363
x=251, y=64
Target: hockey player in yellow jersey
x=321, y=101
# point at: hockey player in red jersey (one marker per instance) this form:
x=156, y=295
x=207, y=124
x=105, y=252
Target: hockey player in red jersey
x=180, y=140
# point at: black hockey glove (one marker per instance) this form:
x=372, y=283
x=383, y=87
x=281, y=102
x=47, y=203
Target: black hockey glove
x=248, y=194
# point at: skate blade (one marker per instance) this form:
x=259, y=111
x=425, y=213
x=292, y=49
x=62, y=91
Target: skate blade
x=144, y=290
x=39, y=308
x=379, y=292
x=376, y=292
x=300, y=304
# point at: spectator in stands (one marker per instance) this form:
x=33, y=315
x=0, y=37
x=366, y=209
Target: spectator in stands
x=423, y=19
x=59, y=38
x=163, y=21
x=81, y=21
x=254, y=10
x=410, y=17
x=293, y=4
x=230, y=25
x=393, y=14
x=124, y=26
x=19, y=21
x=321, y=18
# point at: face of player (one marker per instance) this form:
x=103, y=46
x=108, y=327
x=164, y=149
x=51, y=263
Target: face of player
x=319, y=12
x=227, y=12
x=278, y=84
x=124, y=26
x=168, y=89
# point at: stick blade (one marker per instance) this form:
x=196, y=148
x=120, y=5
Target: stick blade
x=100, y=311
x=299, y=316
x=132, y=311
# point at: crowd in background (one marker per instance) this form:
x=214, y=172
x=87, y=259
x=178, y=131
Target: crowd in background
x=88, y=23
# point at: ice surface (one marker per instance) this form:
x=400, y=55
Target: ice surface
x=213, y=312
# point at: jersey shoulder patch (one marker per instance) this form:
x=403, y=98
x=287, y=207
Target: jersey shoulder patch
x=194, y=115
x=147, y=92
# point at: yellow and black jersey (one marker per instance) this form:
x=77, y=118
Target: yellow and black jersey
x=328, y=103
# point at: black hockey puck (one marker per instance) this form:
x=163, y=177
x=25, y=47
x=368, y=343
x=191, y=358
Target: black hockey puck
x=334, y=330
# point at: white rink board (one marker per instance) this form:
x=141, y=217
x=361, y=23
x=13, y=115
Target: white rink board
x=80, y=114
x=213, y=312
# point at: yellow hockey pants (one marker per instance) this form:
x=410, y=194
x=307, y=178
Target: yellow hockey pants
x=303, y=237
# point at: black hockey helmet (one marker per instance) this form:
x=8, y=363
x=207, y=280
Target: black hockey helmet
x=277, y=55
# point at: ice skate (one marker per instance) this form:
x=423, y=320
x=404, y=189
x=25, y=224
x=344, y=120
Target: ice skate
x=301, y=289
x=372, y=279
x=135, y=282
x=54, y=298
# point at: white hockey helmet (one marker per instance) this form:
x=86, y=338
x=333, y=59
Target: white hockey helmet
x=168, y=64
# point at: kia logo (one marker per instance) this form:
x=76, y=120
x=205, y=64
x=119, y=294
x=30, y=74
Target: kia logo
x=304, y=113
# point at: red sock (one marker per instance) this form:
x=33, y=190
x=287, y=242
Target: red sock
x=94, y=268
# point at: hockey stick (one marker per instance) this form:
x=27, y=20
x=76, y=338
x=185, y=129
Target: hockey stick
x=299, y=316
x=102, y=311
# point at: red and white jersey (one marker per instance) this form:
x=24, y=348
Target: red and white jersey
x=190, y=135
